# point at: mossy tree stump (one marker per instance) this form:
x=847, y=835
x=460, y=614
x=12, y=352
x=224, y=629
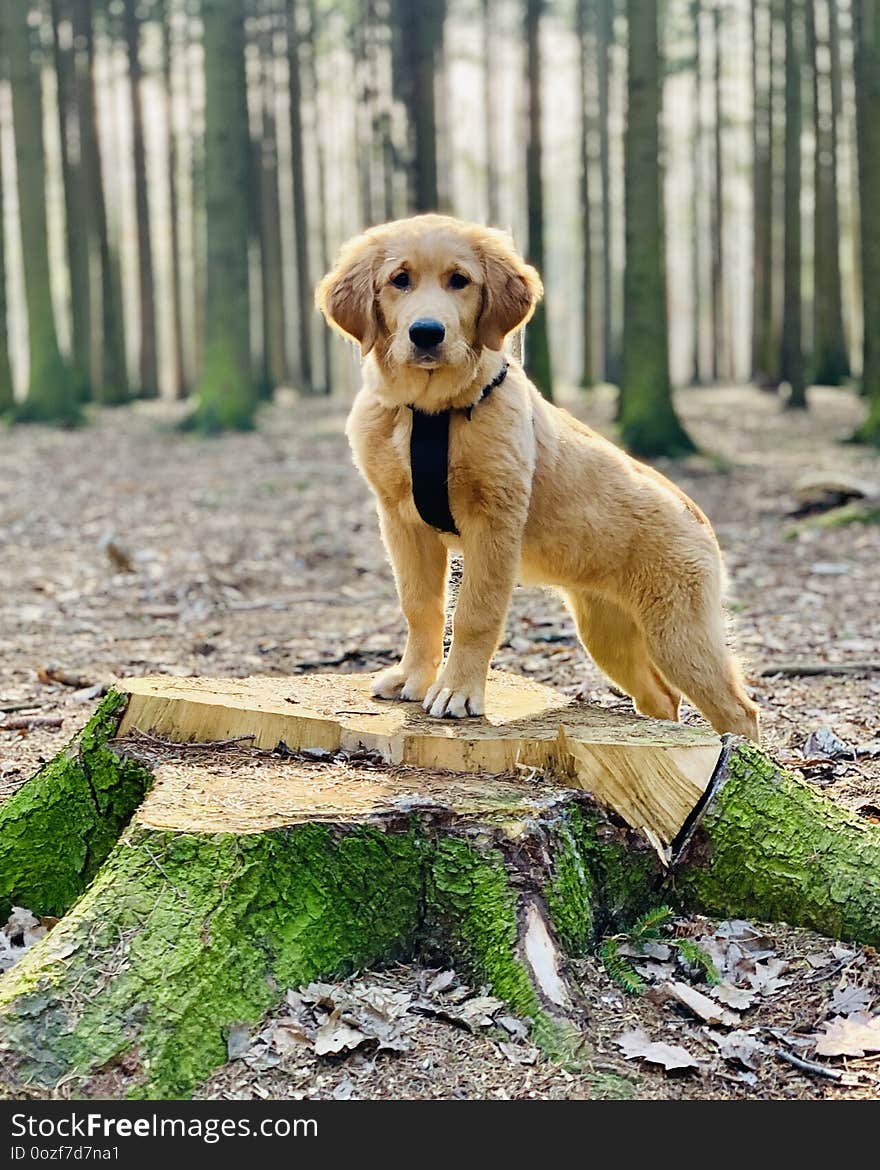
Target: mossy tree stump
x=345, y=832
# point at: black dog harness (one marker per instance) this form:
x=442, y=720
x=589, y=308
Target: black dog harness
x=429, y=459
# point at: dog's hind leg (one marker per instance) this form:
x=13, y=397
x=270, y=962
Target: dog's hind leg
x=618, y=646
x=687, y=642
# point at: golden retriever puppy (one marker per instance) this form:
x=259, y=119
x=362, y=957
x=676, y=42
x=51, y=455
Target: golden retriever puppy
x=533, y=494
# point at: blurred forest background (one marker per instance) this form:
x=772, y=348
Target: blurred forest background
x=698, y=181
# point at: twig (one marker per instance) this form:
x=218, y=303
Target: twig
x=7, y=707
x=340, y=660
x=204, y=743
x=808, y=1066
x=30, y=722
x=810, y=669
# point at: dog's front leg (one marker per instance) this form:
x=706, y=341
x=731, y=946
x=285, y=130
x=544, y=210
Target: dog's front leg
x=419, y=560
x=491, y=559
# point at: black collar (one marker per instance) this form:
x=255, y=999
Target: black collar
x=429, y=458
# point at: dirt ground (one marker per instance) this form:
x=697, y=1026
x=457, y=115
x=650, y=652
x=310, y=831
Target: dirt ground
x=128, y=548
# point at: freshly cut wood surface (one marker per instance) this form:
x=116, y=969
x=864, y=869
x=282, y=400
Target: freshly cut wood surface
x=651, y=773
x=233, y=790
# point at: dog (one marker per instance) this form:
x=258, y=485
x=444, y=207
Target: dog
x=533, y=495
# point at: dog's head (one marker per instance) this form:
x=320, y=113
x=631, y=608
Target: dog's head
x=429, y=292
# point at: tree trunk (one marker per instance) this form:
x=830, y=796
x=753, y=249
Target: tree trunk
x=52, y=394
x=867, y=35
x=197, y=210
x=247, y=872
x=792, y=364
x=763, y=361
x=304, y=297
x=75, y=209
x=537, y=347
x=697, y=197
x=111, y=380
x=605, y=39
x=361, y=35
x=420, y=31
x=149, y=360
x=489, y=34
x=584, y=33
x=178, y=373
x=649, y=424
x=720, y=364
x=311, y=72
x=7, y=390
x=274, y=369
x=227, y=394
x=830, y=366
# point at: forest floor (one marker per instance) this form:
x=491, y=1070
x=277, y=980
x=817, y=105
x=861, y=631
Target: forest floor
x=128, y=548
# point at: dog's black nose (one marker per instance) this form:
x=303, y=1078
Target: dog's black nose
x=426, y=333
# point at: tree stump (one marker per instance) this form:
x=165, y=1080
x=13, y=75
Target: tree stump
x=297, y=829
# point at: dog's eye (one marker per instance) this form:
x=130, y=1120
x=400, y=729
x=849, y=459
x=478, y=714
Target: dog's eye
x=458, y=280
x=400, y=280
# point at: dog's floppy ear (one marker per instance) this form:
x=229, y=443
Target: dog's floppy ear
x=347, y=297
x=512, y=289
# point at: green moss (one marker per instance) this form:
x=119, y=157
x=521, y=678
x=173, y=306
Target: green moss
x=58, y=828
x=181, y=936
x=624, y=872
x=771, y=847
x=570, y=891
x=471, y=916
x=471, y=909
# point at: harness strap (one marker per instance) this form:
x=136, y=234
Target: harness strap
x=429, y=460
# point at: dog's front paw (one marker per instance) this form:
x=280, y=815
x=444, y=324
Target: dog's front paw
x=397, y=683
x=455, y=702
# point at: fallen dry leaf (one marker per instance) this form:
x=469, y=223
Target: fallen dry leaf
x=638, y=1045
x=519, y=1053
x=734, y=997
x=238, y=1041
x=848, y=1000
x=740, y=1046
x=825, y=744
x=852, y=1035
x=440, y=982
x=700, y=1005
x=765, y=977
x=337, y=1036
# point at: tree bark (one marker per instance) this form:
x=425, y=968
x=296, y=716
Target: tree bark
x=179, y=385
x=649, y=424
x=420, y=33
x=227, y=393
x=311, y=73
x=274, y=368
x=7, y=390
x=75, y=209
x=792, y=363
x=720, y=364
x=111, y=379
x=52, y=394
x=489, y=34
x=764, y=360
x=584, y=32
x=605, y=36
x=197, y=212
x=830, y=365
x=244, y=873
x=149, y=358
x=304, y=298
x=697, y=198
x=867, y=69
x=538, y=363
